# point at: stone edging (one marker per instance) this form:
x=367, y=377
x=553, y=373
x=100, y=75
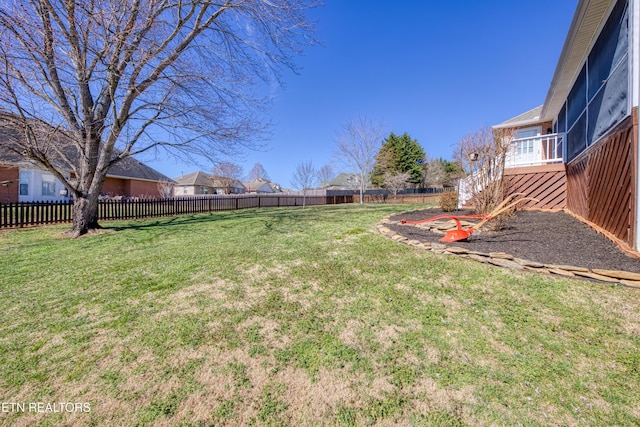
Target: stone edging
x=502, y=259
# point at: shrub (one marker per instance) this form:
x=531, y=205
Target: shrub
x=448, y=201
x=499, y=222
x=482, y=154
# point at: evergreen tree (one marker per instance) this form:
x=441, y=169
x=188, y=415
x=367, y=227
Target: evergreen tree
x=399, y=154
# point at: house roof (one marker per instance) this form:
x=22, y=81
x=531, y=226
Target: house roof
x=127, y=168
x=261, y=185
x=530, y=117
x=342, y=180
x=132, y=168
x=586, y=22
x=9, y=157
x=203, y=179
x=196, y=178
x=345, y=180
x=221, y=182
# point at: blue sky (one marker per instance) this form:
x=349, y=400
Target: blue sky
x=437, y=70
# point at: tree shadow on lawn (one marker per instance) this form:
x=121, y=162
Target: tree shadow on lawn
x=180, y=220
x=268, y=216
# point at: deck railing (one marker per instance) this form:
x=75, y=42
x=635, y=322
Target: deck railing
x=536, y=150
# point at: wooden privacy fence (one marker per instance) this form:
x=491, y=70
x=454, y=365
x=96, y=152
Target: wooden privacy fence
x=417, y=198
x=13, y=215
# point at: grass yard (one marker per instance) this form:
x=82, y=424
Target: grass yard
x=300, y=317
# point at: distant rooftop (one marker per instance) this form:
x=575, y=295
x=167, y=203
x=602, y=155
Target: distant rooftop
x=195, y=178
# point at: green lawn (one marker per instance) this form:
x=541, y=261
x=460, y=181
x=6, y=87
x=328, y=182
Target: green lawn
x=301, y=317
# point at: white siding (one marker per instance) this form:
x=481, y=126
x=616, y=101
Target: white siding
x=34, y=179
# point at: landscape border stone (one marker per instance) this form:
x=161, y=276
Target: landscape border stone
x=505, y=260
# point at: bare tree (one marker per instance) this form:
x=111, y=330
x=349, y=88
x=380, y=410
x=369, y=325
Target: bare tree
x=304, y=178
x=165, y=188
x=482, y=154
x=258, y=172
x=396, y=182
x=326, y=174
x=86, y=84
x=356, y=146
x=434, y=173
x=225, y=175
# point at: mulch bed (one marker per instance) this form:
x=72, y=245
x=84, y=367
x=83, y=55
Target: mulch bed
x=544, y=237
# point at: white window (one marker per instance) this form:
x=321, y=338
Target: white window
x=525, y=147
x=184, y=190
x=24, y=183
x=48, y=185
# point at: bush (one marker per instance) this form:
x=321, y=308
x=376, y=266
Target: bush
x=499, y=222
x=449, y=201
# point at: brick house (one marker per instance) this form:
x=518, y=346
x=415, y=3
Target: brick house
x=22, y=180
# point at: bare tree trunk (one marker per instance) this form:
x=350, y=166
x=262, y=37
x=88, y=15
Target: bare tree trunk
x=85, y=215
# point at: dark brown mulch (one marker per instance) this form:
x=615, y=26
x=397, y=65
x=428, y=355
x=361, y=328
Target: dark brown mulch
x=545, y=237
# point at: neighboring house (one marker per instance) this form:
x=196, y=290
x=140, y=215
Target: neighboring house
x=579, y=150
x=201, y=183
x=193, y=184
x=221, y=184
x=344, y=181
x=132, y=178
x=22, y=180
x=262, y=186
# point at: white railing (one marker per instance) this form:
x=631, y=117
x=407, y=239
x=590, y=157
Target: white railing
x=535, y=150
x=531, y=151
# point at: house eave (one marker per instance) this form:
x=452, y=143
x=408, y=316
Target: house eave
x=519, y=124
x=587, y=20
x=528, y=118
x=131, y=178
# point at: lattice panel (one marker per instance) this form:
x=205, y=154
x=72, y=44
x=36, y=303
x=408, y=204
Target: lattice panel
x=578, y=188
x=600, y=183
x=549, y=188
x=610, y=173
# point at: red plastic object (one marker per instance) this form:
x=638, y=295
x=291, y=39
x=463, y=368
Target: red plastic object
x=460, y=234
x=452, y=235
x=455, y=218
x=456, y=235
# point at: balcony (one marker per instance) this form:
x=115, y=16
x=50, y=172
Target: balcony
x=535, y=150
